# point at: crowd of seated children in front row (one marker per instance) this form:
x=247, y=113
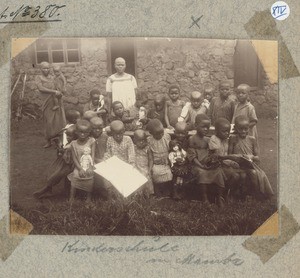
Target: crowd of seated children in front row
x=224, y=162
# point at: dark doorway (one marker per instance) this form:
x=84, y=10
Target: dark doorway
x=120, y=47
x=247, y=67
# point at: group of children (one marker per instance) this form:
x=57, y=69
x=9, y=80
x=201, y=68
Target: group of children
x=224, y=162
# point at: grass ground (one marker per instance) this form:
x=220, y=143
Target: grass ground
x=137, y=215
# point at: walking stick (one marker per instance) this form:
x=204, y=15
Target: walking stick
x=19, y=109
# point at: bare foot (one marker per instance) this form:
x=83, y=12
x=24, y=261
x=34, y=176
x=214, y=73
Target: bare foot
x=55, y=107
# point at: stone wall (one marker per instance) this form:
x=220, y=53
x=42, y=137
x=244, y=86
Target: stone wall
x=81, y=78
x=189, y=63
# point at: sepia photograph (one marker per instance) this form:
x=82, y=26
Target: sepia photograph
x=144, y=136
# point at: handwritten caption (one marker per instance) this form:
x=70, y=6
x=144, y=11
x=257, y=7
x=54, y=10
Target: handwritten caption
x=155, y=246
x=37, y=13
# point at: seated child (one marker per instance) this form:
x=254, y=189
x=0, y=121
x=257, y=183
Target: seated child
x=159, y=168
x=221, y=106
x=119, y=144
x=143, y=158
x=61, y=167
x=245, y=145
x=122, y=115
x=158, y=112
x=100, y=138
x=173, y=107
x=192, y=109
x=97, y=104
x=245, y=108
x=218, y=145
x=206, y=170
x=81, y=178
x=60, y=85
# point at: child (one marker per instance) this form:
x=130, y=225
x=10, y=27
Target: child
x=173, y=107
x=60, y=85
x=158, y=112
x=159, y=167
x=86, y=160
x=221, y=106
x=121, y=86
x=246, y=146
x=192, y=109
x=181, y=135
x=143, y=158
x=218, y=145
x=96, y=104
x=245, y=108
x=119, y=144
x=204, y=168
x=61, y=167
x=80, y=178
x=100, y=138
x=122, y=115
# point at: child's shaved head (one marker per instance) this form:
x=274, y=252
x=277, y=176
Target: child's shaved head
x=159, y=98
x=196, y=95
x=71, y=130
x=224, y=84
x=96, y=121
x=241, y=120
x=181, y=127
x=201, y=117
x=154, y=125
x=72, y=116
x=116, y=126
x=244, y=87
x=87, y=115
x=221, y=122
x=139, y=134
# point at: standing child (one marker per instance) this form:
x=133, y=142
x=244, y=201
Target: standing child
x=221, y=106
x=60, y=85
x=245, y=108
x=173, y=107
x=100, y=138
x=246, y=146
x=207, y=172
x=61, y=167
x=192, y=109
x=143, y=158
x=158, y=112
x=121, y=86
x=159, y=148
x=119, y=144
x=80, y=178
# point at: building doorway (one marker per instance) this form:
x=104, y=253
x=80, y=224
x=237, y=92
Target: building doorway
x=122, y=47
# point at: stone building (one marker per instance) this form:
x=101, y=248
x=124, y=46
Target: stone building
x=156, y=63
